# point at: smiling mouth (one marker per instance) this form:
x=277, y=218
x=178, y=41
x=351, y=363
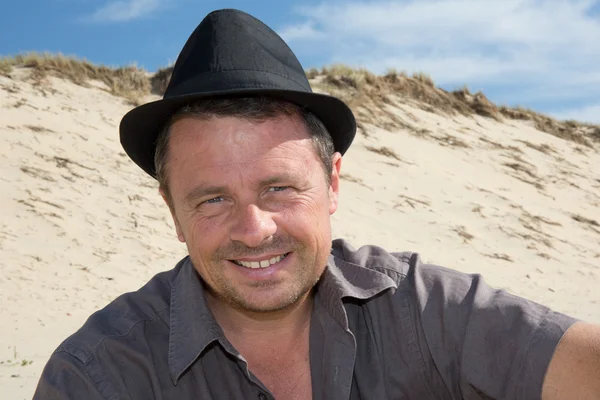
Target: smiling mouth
x=260, y=264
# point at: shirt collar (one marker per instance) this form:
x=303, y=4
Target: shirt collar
x=193, y=327
x=345, y=279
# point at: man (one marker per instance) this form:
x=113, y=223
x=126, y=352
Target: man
x=266, y=306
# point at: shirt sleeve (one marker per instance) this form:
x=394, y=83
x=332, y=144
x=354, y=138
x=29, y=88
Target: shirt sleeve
x=485, y=342
x=65, y=377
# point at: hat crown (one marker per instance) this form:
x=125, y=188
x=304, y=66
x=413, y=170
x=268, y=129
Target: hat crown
x=231, y=53
x=229, y=42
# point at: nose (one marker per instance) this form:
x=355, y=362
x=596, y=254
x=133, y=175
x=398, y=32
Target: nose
x=252, y=226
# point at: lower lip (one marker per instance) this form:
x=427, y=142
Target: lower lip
x=263, y=273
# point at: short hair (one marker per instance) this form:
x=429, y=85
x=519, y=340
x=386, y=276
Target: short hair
x=254, y=108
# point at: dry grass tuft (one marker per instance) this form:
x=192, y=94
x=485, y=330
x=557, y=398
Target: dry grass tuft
x=411, y=201
x=477, y=103
x=131, y=82
x=567, y=130
x=384, y=151
x=542, y=148
x=312, y=73
x=500, y=256
x=368, y=94
x=361, y=89
x=585, y=220
x=452, y=141
x=160, y=80
x=341, y=76
x=5, y=67
x=38, y=173
x=423, y=78
x=521, y=168
x=500, y=146
x=350, y=178
x=38, y=128
x=462, y=232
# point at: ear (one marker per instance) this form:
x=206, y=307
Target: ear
x=178, y=229
x=334, y=188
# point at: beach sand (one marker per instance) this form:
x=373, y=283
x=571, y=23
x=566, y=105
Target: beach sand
x=81, y=224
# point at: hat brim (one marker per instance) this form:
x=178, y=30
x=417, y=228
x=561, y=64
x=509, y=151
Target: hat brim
x=140, y=127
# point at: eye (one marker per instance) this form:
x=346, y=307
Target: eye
x=278, y=188
x=214, y=200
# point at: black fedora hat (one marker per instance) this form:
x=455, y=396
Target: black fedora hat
x=232, y=53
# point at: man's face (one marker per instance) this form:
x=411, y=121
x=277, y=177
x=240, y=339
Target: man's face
x=252, y=204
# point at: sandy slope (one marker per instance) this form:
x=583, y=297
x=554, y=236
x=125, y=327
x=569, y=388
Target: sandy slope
x=80, y=224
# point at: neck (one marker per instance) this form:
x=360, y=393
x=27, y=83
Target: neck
x=255, y=329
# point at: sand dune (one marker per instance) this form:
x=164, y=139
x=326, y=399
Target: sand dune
x=81, y=224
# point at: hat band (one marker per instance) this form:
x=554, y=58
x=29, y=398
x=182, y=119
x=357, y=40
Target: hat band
x=235, y=80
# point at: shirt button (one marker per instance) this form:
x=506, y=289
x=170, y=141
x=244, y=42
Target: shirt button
x=262, y=396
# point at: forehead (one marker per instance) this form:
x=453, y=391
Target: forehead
x=229, y=134
x=220, y=144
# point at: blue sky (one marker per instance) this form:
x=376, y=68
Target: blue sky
x=542, y=54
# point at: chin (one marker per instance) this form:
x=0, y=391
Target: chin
x=270, y=303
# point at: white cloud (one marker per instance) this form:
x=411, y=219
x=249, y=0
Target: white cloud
x=124, y=10
x=589, y=114
x=548, y=46
x=295, y=32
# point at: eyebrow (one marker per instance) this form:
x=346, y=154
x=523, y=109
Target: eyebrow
x=206, y=190
x=275, y=179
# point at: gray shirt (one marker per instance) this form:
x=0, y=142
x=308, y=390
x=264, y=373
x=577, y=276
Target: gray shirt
x=384, y=326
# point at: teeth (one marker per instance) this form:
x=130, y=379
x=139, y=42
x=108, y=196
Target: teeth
x=259, y=264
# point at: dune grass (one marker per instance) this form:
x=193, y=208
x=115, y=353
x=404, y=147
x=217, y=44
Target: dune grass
x=129, y=82
x=361, y=88
x=366, y=93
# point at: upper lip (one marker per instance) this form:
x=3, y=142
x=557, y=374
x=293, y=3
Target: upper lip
x=260, y=258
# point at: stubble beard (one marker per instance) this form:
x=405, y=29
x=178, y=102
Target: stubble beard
x=307, y=272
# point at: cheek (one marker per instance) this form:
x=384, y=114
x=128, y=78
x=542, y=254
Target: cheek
x=307, y=216
x=203, y=236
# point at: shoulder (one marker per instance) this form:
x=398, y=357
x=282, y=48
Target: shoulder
x=117, y=319
x=396, y=265
x=401, y=266
x=425, y=282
